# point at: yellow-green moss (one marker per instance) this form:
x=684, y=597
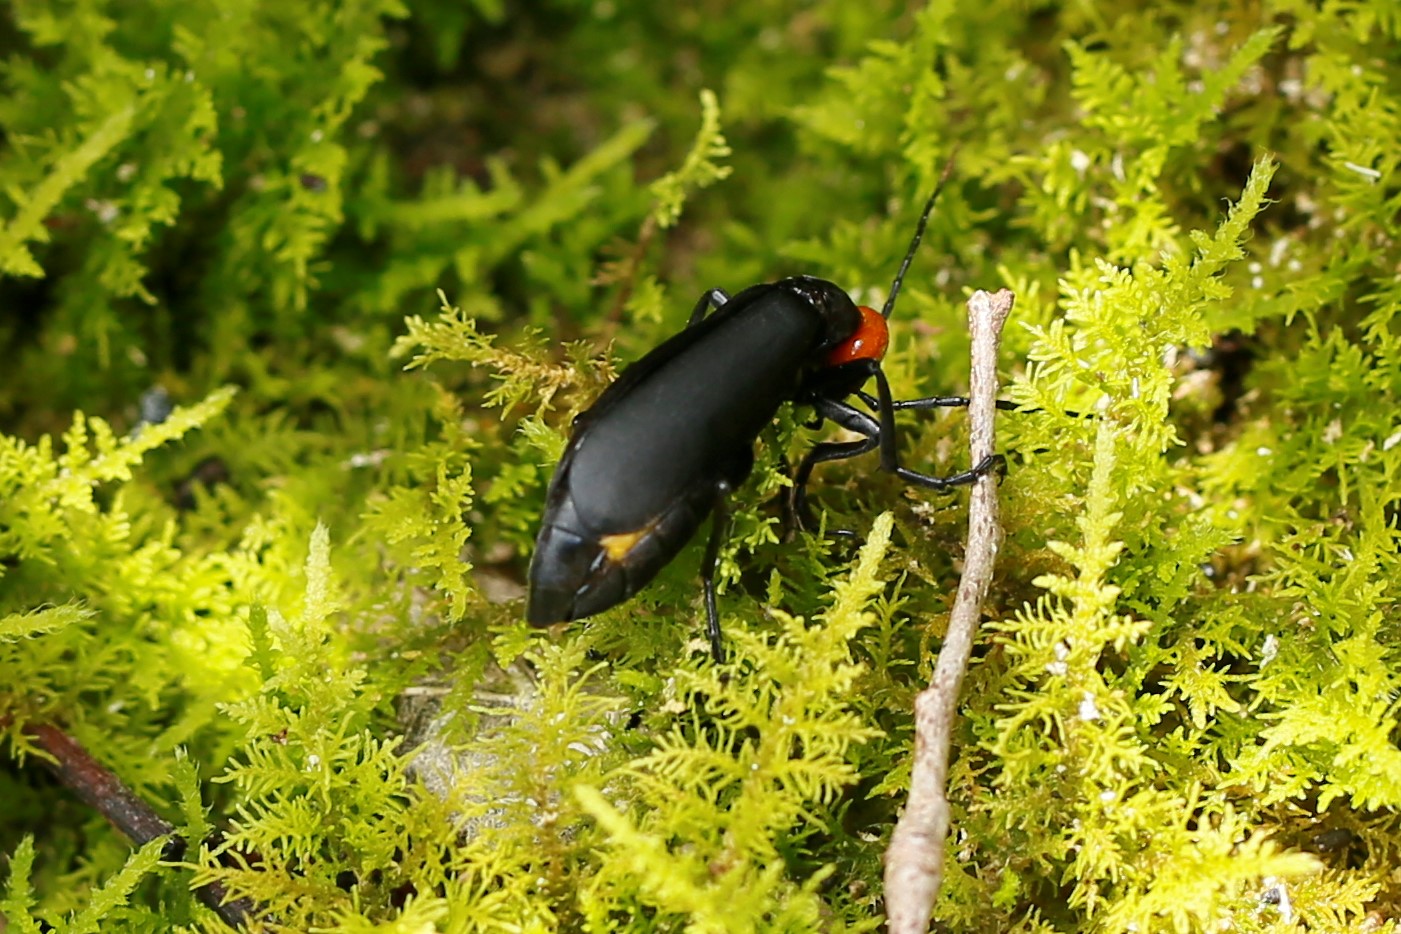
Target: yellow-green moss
x=292, y=614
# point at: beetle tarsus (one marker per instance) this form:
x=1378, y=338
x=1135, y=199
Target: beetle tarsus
x=984, y=466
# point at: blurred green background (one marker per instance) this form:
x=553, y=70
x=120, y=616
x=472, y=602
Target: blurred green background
x=1182, y=716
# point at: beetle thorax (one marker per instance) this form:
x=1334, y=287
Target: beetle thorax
x=839, y=316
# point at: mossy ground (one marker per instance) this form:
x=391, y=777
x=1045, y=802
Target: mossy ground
x=290, y=611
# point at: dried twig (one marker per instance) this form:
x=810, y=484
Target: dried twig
x=914, y=862
x=99, y=787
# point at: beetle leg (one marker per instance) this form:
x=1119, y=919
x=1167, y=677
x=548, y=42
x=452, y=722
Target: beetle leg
x=711, y=298
x=947, y=402
x=889, y=458
x=797, y=512
x=718, y=529
x=878, y=434
x=930, y=402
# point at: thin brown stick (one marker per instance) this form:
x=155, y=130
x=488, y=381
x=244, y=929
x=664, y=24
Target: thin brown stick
x=645, y=234
x=99, y=787
x=914, y=862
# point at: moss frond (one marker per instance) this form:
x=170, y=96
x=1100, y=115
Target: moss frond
x=290, y=617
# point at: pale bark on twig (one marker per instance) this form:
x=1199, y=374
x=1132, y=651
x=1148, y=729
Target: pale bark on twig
x=914, y=862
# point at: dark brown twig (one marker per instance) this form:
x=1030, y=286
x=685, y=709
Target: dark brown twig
x=101, y=789
x=97, y=786
x=633, y=264
x=914, y=861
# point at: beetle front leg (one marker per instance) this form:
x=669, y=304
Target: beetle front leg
x=711, y=298
x=931, y=402
x=718, y=529
x=797, y=512
x=889, y=458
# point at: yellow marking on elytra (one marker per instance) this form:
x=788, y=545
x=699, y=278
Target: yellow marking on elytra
x=618, y=546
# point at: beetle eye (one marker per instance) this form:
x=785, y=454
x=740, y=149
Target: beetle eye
x=868, y=342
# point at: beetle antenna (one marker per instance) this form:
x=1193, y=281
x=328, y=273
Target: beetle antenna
x=914, y=242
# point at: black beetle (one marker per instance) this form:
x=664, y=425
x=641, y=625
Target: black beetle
x=666, y=443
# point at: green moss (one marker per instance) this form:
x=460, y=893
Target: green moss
x=419, y=237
